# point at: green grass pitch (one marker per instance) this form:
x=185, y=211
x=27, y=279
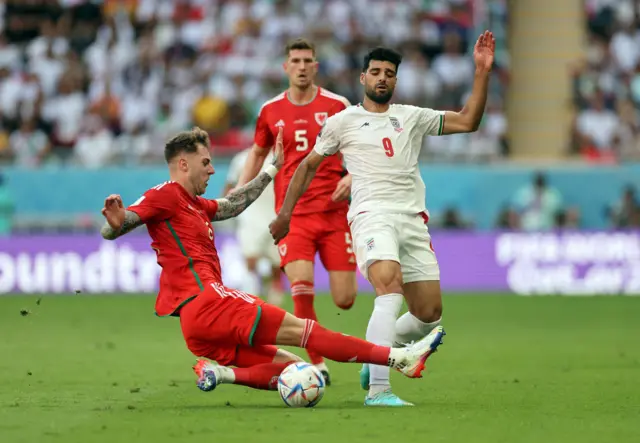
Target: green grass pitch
x=512, y=369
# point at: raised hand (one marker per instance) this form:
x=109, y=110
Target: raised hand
x=343, y=190
x=484, y=51
x=114, y=211
x=278, y=151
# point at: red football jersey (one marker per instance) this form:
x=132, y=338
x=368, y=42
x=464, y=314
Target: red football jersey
x=301, y=125
x=182, y=236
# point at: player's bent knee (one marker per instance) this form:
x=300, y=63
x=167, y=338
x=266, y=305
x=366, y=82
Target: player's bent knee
x=386, y=277
x=345, y=300
x=429, y=313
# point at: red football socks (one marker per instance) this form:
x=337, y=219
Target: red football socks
x=264, y=376
x=303, y=294
x=342, y=348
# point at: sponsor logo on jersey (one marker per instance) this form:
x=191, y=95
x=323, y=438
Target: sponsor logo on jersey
x=321, y=117
x=364, y=124
x=280, y=124
x=300, y=121
x=396, y=124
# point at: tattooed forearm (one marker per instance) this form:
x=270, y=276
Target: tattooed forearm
x=131, y=221
x=240, y=199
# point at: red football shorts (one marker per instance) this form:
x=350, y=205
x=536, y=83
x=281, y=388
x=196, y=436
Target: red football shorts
x=220, y=322
x=326, y=233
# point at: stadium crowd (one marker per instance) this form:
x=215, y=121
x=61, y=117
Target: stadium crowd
x=96, y=83
x=92, y=83
x=607, y=83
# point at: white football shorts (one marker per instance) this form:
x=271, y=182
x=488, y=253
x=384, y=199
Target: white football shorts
x=403, y=238
x=255, y=241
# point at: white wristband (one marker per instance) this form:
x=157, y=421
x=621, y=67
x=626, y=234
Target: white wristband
x=271, y=170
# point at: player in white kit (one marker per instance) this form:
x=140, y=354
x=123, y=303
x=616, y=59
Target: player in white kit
x=253, y=233
x=380, y=144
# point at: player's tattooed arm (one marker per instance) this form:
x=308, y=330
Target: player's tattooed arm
x=119, y=221
x=131, y=221
x=241, y=198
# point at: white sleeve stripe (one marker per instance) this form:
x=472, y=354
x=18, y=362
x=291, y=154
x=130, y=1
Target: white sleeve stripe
x=335, y=96
x=272, y=100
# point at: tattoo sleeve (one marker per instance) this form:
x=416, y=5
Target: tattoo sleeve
x=131, y=221
x=240, y=199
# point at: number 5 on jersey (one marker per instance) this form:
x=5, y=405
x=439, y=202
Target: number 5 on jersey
x=302, y=142
x=388, y=147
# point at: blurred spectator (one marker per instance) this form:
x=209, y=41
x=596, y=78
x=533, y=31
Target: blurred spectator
x=597, y=127
x=508, y=219
x=537, y=205
x=607, y=84
x=6, y=208
x=626, y=213
x=451, y=219
x=568, y=219
x=95, y=144
x=151, y=67
x=29, y=145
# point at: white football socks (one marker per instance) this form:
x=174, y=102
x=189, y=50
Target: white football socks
x=226, y=375
x=381, y=331
x=409, y=328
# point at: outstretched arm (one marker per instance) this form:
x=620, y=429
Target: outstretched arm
x=297, y=187
x=241, y=198
x=131, y=221
x=119, y=221
x=469, y=118
x=300, y=182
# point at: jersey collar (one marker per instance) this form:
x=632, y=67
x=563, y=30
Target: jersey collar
x=286, y=94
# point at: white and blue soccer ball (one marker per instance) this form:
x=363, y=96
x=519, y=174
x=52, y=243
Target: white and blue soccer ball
x=301, y=385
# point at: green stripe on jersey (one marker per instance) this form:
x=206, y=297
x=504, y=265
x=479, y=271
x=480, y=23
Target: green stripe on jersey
x=184, y=252
x=255, y=325
x=441, y=126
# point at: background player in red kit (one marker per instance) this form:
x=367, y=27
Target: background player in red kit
x=219, y=323
x=319, y=222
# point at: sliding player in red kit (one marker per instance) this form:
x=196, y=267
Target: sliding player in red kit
x=319, y=223
x=219, y=323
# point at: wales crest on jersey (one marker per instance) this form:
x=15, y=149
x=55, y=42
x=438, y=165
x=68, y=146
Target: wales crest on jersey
x=321, y=117
x=396, y=124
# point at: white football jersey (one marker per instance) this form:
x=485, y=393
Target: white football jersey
x=381, y=152
x=261, y=211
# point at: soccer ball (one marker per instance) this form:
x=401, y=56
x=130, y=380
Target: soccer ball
x=301, y=385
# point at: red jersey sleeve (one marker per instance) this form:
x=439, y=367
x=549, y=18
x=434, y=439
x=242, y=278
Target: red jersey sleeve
x=157, y=204
x=263, y=136
x=209, y=206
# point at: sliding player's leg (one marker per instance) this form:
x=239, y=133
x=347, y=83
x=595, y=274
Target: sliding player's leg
x=256, y=367
x=280, y=327
x=221, y=319
x=219, y=325
x=297, y=254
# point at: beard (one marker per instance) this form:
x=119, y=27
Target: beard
x=381, y=98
